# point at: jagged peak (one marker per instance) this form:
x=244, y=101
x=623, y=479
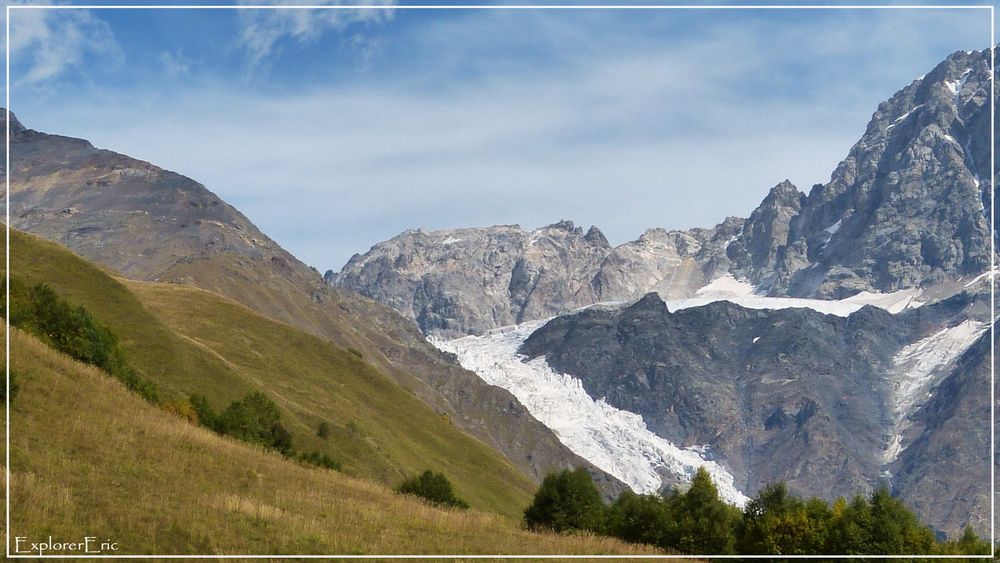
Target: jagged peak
x=784, y=189
x=596, y=238
x=565, y=225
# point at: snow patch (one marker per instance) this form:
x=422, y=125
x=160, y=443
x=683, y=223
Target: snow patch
x=743, y=293
x=894, y=302
x=834, y=228
x=451, y=240
x=614, y=440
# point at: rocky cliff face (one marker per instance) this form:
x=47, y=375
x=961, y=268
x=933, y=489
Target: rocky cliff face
x=467, y=281
x=815, y=400
x=151, y=224
x=905, y=209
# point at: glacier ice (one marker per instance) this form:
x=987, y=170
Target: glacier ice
x=614, y=440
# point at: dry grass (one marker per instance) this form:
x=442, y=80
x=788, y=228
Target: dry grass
x=89, y=458
x=190, y=341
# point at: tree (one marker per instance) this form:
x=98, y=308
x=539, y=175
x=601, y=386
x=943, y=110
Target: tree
x=206, y=415
x=255, y=419
x=776, y=523
x=895, y=529
x=433, y=487
x=703, y=523
x=639, y=518
x=567, y=500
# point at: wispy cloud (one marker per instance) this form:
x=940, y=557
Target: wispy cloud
x=47, y=44
x=262, y=32
x=529, y=118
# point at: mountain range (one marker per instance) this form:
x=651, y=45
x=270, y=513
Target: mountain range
x=837, y=340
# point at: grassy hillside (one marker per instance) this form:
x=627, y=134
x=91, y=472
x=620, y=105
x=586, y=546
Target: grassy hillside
x=191, y=341
x=90, y=458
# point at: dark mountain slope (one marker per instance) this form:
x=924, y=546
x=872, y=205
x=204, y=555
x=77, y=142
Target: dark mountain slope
x=155, y=225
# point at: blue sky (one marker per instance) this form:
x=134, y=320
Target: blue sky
x=333, y=130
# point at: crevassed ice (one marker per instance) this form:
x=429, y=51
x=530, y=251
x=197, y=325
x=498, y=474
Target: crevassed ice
x=614, y=440
x=918, y=368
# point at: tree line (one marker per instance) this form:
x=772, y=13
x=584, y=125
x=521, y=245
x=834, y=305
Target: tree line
x=775, y=522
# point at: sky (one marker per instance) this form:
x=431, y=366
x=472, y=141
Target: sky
x=333, y=130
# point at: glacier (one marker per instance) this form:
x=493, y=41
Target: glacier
x=918, y=369
x=616, y=441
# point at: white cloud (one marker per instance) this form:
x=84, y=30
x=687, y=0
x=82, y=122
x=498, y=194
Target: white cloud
x=46, y=44
x=263, y=31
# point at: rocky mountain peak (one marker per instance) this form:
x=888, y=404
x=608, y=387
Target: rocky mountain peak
x=596, y=238
x=565, y=225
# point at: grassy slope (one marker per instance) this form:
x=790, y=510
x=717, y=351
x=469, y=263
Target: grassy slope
x=189, y=340
x=88, y=457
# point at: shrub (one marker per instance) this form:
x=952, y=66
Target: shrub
x=433, y=487
x=183, y=409
x=320, y=460
x=323, y=431
x=203, y=410
x=567, y=500
x=255, y=419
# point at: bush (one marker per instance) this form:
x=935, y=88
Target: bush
x=255, y=419
x=433, y=487
x=567, y=500
x=320, y=460
x=204, y=412
x=183, y=409
x=323, y=431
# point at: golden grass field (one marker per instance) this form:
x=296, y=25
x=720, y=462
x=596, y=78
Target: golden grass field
x=90, y=458
x=189, y=341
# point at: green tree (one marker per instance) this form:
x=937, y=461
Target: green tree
x=433, y=487
x=567, y=500
x=702, y=522
x=639, y=518
x=776, y=523
x=204, y=411
x=255, y=419
x=895, y=529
